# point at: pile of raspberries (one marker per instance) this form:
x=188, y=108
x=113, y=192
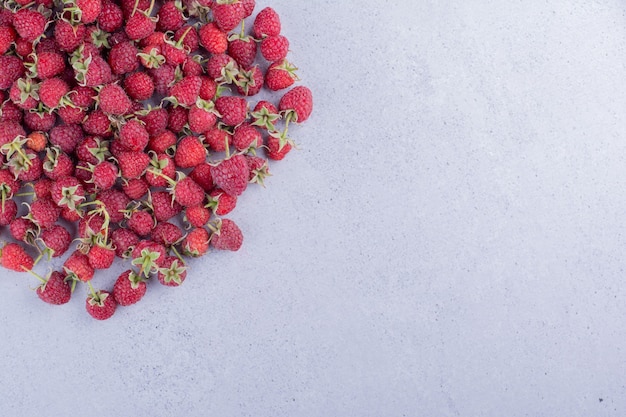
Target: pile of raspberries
x=125, y=128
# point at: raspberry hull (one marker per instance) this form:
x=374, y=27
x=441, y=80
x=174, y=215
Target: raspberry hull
x=145, y=184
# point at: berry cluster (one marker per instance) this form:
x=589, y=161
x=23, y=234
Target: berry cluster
x=99, y=163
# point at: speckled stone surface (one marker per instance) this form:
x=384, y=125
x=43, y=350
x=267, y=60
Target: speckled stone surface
x=447, y=242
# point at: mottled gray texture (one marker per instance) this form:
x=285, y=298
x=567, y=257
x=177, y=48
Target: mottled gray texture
x=448, y=241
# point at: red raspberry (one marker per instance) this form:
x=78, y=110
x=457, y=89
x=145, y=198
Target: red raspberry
x=101, y=305
x=214, y=40
x=135, y=188
x=297, y=102
x=77, y=267
x=113, y=100
x=197, y=216
x=155, y=120
x=133, y=163
x=187, y=193
x=217, y=138
x=123, y=58
x=163, y=206
x=55, y=290
x=190, y=152
x=170, y=17
x=101, y=255
x=140, y=222
x=229, y=15
x=15, y=258
x=201, y=174
x=129, y=288
x=231, y=175
x=105, y=175
x=275, y=48
x=133, y=135
x=280, y=75
x=124, y=241
x=111, y=17
x=57, y=240
x=227, y=236
x=29, y=24
x=196, y=243
x=115, y=202
x=234, y=110
x=221, y=203
x=266, y=23
x=167, y=234
x=139, y=86
x=173, y=272
x=44, y=213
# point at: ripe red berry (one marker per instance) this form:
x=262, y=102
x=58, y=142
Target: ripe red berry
x=29, y=24
x=266, y=23
x=274, y=48
x=113, y=100
x=129, y=288
x=14, y=257
x=234, y=110
x=298, y=102
x=190, y=152
x=227, y=236
x=101, y=305
x=55, y=290
x=231, y=175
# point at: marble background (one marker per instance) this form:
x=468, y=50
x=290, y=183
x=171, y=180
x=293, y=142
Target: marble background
x=447, y=242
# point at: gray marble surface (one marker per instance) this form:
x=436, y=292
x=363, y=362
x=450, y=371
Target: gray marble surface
x=447, y=242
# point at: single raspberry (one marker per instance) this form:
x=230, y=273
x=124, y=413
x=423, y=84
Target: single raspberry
x=202, y=116
x=57, y=240
x=231, y=175
x=133, y=135
x=115, y=203
x=190, y=152
x=14, y=257
x=266, y=23
x=221, y=203
x=23, y=230
x=162, y=170
x=173, y=272
x=222, y=68
x=67, y=192
x=97, y=123
x=191, y=40
x=7, y=37
x=29, y=24
x=243, y=49
x=170, y=16
x=77, y=267
x=155, y=120
x=135, y=188
x=226, y=235
x=163, y=76
x=111, y=17
x=101, y=254
x=129, y=288
x=105, y=175
x=218, y=139
x=162, y=142
x=247, y=137
x=133, y=163
x=100, y=305
x=51, y=91
x=213, y=39
x=297, y=104
x=124, y=241
x=258, y=168
x=201, y=174
x=140, y=25
x=163, y=206
x=196, y=243
x=113, y=100
x=277, y=149
x=66, y=137
x=167, y=234
x=44, y=213
x=55, y=289
x=197, y=216
x=228, y=15
x=139, y=86
x=123, y=58
x=148, y=256
x=187, y=193
x=280, y=75
x=68, y=37
x=274, y=48
x=8, y=212
x=234, y=110
x=186, y=91
x=178, y=117
x=40, y=120
x=140, y=222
